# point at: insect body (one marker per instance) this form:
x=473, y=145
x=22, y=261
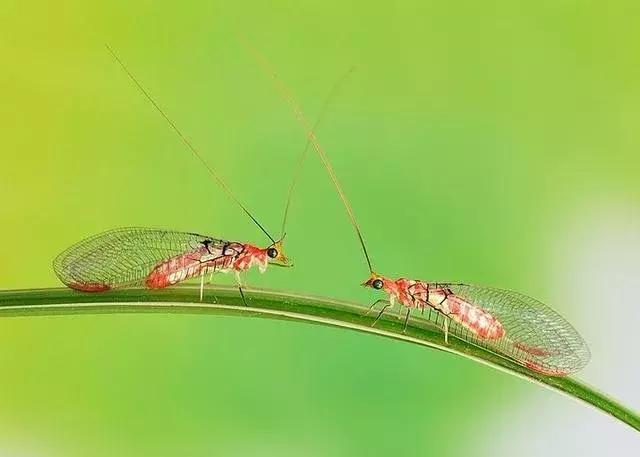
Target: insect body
x=156, y=259
x=508, y=323
x=420, y=295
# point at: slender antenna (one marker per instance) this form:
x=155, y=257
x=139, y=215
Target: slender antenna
x=286, y=94
x=303, y=157
x=187, y=143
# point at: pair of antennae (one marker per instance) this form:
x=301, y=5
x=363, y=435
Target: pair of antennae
x=188, y=144
x=302, y=120
x=300, y=117
x=303, y=156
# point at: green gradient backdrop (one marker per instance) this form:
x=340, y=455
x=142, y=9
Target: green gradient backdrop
x=467, y=135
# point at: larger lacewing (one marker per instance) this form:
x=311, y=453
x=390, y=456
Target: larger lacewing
x=154, y=258
x=508, y=323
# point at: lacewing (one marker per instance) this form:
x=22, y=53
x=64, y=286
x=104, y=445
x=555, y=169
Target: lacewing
x=128, y=257
x=508, y=323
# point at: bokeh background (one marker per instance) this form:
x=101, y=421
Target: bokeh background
x=491, y=142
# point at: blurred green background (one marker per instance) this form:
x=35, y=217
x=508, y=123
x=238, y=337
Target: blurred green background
x=490, y=142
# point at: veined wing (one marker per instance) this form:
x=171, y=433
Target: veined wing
x=124, y=257
x=534, y=334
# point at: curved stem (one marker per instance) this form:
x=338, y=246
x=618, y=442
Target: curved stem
x=288, y=306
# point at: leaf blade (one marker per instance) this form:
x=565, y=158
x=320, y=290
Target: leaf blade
x=289, y=306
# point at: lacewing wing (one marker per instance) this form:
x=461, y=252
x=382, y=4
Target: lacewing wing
x=512, y=324
x=135, y=256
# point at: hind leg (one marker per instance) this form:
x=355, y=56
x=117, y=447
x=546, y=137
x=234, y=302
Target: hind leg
x=445, y=328
x=201, y=287
x=208, y=282
x=406, y=320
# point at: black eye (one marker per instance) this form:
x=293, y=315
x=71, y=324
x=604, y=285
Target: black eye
x=272, y=252
x=377, y=284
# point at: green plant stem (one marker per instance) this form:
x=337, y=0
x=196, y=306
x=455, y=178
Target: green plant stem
x=287, y=306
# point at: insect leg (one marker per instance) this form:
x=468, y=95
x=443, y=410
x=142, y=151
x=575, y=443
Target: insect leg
x=239, y=280
x=380, y=313
x=201, y=286
x=211, y=270
x=382, y=300
x=244, y=301
x=406, y=320
x=445, y=325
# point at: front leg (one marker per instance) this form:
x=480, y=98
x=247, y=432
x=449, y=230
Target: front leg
x=381, y=300
x=384, y=308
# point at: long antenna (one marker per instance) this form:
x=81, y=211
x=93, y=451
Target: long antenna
x=303, y=157
x=300, y=117
x=187, y=143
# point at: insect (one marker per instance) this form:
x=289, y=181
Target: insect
x=155, y=258
x=505, y=322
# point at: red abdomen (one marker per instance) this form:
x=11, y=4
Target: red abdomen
x=183, y=267
x=476, y=319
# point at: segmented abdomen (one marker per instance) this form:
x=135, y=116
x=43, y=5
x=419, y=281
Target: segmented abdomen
x=476, y=319
x=186, y=266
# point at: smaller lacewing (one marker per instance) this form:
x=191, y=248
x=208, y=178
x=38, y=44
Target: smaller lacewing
x=153, y=258
x=508, y=323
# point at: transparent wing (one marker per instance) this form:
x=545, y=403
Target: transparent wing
x=535, y=335
x=124, y=257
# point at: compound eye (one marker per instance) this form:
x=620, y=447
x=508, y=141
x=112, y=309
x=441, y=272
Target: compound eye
x=377, y=284
x=272, y=252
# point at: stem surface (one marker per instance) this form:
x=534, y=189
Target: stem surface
x=288, y=306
